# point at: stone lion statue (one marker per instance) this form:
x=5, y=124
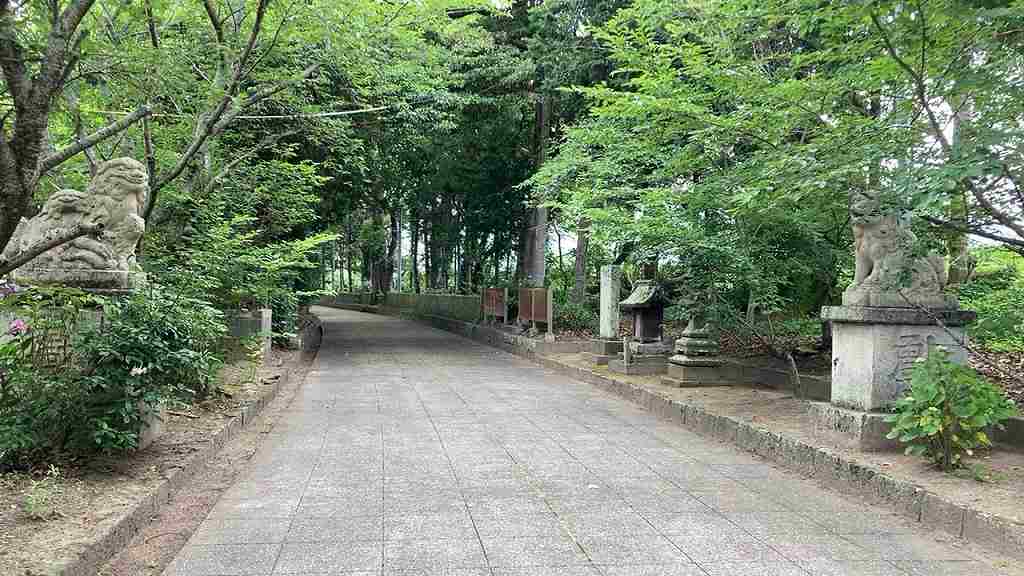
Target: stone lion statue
x=115, y=198
x=887, y=272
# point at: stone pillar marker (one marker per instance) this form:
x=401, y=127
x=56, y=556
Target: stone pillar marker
x=266, y=331
x=611, y=288
x=608, y=345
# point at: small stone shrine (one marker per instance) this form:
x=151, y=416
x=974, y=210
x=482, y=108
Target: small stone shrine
x=115, y=199
x=608, y=344
x=893, y=313
x=696, y=361
x=647, y=352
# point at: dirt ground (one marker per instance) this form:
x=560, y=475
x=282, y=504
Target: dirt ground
x=49, y=516
x=997, y=490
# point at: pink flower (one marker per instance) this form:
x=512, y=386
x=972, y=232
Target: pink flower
x=17, y=327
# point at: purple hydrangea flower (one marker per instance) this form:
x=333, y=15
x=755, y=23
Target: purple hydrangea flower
x=7, y=288
x=17, y=327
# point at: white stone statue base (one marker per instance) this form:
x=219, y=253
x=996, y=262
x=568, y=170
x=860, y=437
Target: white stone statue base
x=874, y=349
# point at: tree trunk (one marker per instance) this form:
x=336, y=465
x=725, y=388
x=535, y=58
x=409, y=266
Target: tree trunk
x=649, y=269
x=393, y=252
x=414, y=254
x=956, y=242
x=582, y=244
x=536, y=264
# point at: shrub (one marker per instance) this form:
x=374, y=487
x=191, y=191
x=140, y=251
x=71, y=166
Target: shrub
x=150, y=348
x=1000, y=325
x=996, y=293
x=946, y=411
x=575, y=318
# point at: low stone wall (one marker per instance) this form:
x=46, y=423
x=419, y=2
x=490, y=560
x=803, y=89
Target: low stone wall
x=455, y=306
x=351, y=298
x=498, y=338
x=741, y=372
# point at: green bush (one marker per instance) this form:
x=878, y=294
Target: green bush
x=1000, y=324
x=996, y=293
x=576, y=318
x=946, y=411
x=150, y=348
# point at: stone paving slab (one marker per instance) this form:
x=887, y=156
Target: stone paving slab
x=411, y=451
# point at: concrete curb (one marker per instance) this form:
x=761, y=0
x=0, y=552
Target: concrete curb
x=121, y=533
x=832, y=469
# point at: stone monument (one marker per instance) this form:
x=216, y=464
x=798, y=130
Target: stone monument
x=893, y=312
x=696, y=361
x=608, y=344
x=115, y=199
x=647, y=351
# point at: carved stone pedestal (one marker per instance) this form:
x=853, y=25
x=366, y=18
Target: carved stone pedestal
x=603, y=350
x=873, y=353
x=644, y=358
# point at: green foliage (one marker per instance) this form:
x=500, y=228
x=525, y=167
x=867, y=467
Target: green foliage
x=39, y=501
x=150, y=348
x=996, y=293
x=1000, y=324
x=156, y=340
x=947, y=411
x=576, y=318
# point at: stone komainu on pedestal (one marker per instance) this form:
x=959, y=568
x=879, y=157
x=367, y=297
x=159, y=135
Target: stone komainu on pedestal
x=895, y=310
x=115, y=199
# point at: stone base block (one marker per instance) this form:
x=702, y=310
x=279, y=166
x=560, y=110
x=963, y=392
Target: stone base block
x=598, y=359
x=696, y=376
x=862, y=430
x=602, y=347
x=152, y=428
x=640, y=365
x=874, y=349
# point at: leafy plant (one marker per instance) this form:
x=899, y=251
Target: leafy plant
x=39, y=502
x=575, y=318
x=947, y=410
x=149, y=348
x=996, y=293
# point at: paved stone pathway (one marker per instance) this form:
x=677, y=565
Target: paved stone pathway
x=412, y=451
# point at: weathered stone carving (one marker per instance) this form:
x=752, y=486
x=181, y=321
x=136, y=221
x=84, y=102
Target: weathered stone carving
x=114, y=199
x=887, y=271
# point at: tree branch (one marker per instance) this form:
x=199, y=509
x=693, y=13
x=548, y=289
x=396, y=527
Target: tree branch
x=921, y=93
x=61, y=156
x=243, y=58
x=12, y=59
x=54, y=239
x=154, y=37
x=1014, y=243
x=218, y=32
x=212, y=123
x=265, y=143
x=73, y=107
x=62, y=37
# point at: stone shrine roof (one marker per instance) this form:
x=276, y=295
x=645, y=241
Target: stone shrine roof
x=646, y=294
